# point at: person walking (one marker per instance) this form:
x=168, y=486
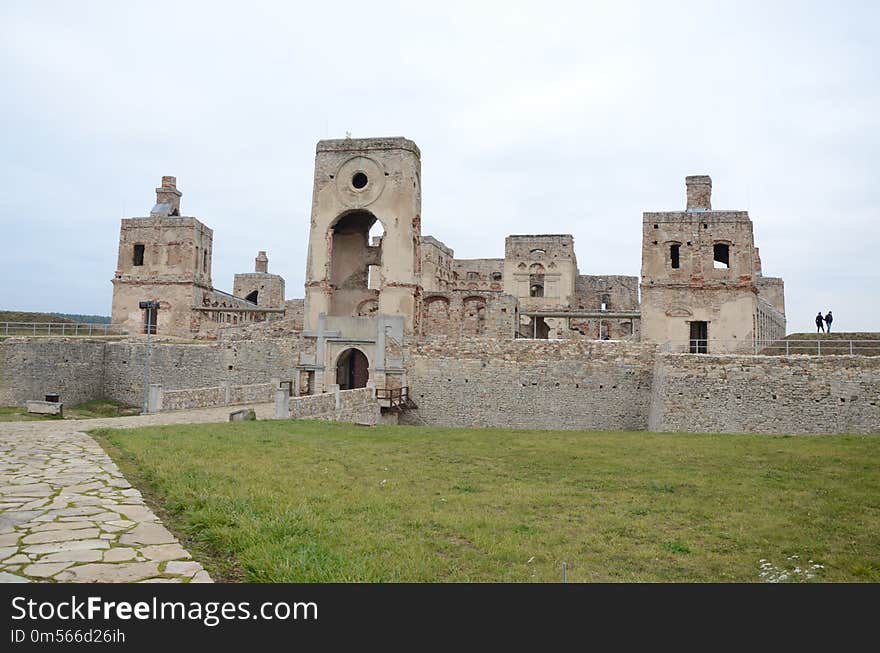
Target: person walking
x=820, y=323
x=828, y=320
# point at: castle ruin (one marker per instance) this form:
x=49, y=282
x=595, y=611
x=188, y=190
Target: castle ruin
x=375, y=285
x=393, y=327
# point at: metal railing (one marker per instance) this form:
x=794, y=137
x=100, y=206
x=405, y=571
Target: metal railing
x=820, y=346
x=59, y=329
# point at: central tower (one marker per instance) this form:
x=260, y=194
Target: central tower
x=362, y=185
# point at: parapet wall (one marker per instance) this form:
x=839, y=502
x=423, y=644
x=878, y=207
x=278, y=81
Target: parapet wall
x=766, y=394
x=223, y=395
x=356, y=406
x=537, y=384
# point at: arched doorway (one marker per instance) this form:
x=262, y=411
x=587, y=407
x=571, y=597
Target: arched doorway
x=352, y=370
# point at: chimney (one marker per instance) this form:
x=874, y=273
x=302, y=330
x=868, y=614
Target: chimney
x=699, y=192
x=262, y=263
x=168, y=194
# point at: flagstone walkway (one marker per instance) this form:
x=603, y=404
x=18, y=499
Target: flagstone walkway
x=67, y=514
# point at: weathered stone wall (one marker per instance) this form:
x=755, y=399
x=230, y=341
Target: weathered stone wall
x=217, y=396
x=32, y=368
x=618, y=293
x=356, y=406
x=269, y=288
x=772, y=289
x=547, y=261
x=183, y=367
x=437, y=259
x=80, y=370
x=465, y=314
x=479, y=274
x=766, y=394
x=572, y=384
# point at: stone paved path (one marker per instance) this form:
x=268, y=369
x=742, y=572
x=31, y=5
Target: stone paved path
x=67, y=514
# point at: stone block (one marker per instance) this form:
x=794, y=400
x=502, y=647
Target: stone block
x=244, y=415
x=45, y=407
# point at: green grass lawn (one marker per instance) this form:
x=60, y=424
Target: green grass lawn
x=298, y=501
x=87, y=410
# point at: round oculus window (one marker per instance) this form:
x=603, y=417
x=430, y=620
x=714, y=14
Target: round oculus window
x=359, y=180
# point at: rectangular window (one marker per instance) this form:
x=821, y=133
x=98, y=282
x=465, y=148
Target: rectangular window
x=138, y=257
x=673, y=254
x=151, y=316
x=721, y=254
x=699, y=338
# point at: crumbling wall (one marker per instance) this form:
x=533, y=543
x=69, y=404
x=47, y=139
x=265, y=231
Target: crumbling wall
x=437, y=272
x=467, y=314
x=485, y=274
x=616, y=292
x=269, y=288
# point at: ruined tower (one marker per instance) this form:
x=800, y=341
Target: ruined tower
x=259, y=287
x=702, y=286
x=363, y=290
x=163, y=257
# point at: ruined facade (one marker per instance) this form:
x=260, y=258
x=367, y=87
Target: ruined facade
x=379, y=294
x=167, y=258
x=702, y=282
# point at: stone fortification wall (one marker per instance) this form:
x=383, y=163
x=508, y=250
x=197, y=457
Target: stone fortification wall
x=356, y=406
x=226, y=394
x=33, y=368
x=766, y=394
x=183, y=367
x=571, y=384
x=80, y=370
x=466, y=314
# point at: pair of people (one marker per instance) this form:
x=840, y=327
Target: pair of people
x=823, y=323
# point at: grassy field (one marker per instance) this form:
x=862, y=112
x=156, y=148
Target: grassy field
x=296, y=501
x=87, y=410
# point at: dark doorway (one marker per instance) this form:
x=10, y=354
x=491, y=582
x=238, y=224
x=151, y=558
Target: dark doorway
x=352, y=370
x=699, y=337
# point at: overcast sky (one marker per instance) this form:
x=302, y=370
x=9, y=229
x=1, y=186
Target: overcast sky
x=531, y=117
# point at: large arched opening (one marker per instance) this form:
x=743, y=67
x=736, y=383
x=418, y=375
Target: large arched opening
x=354, y=261
x=352, y=370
